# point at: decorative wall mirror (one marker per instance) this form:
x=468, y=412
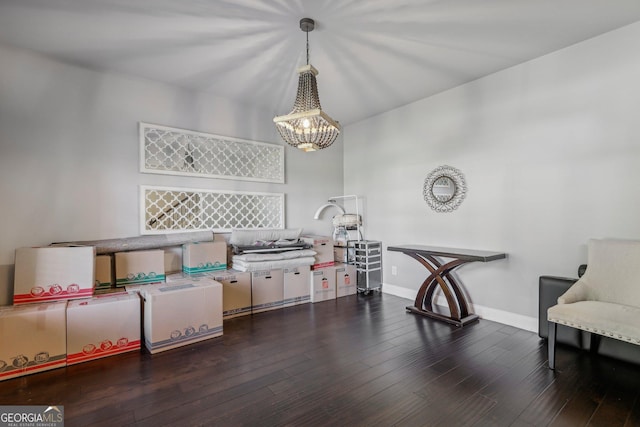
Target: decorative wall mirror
x=444, y=189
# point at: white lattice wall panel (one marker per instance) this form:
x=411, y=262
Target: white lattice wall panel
x=166, y=210
x=175, y=151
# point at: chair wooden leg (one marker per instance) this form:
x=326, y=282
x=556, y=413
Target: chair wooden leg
x=551, y=344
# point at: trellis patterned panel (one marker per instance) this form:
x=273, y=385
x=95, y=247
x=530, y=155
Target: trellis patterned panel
x=175, y=151
x=169, y=209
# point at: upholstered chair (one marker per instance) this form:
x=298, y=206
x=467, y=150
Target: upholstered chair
x=605, y=301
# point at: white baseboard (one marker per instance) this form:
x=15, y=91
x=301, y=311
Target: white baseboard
x=399, y=291
x=505, y=317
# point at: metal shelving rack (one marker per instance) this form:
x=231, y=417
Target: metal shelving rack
x=366, y=255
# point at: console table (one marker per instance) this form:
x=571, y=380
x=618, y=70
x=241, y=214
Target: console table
x=441, y=277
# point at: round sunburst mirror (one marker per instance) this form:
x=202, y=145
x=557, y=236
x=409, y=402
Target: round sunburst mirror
x=444, y=189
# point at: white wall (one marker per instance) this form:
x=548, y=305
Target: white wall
x=69, y=162
x=551, y=154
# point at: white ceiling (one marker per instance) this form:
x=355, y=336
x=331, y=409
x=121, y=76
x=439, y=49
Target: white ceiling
x=373, y=55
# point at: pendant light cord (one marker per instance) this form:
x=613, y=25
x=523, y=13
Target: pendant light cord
x=307, y=48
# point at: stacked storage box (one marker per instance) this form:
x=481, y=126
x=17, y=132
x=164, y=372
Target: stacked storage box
x=60, y=323
x=32, y=338
x=323, y=246
x=56, y=320
x=104, y=272
x=33, y=331
x=139, y=267
x=172, y=259
x=53, y=274
x=267, y=290
x=102, y=326
x=279, y=262
x=296, y=286
x=236, y=292
x=181, y=312
x=346, y=280
x=323, y=284
x=203, y=257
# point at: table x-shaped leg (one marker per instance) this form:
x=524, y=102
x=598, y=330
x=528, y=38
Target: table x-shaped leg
x=441, y=278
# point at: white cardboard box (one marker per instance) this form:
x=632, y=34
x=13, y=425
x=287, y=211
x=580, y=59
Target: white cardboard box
x=172, y=259
x=102, y=326
x=323, y=245
x=346, y=280
x=204, y=256
x=178, y=276
x=236, y=292
x=139, y=267
x=53, y=274
x=267, y=290
x=32, y=338
x=180, y=313
x=296, y=286
x=109, y=291
x=323, y=284
x=104, y=271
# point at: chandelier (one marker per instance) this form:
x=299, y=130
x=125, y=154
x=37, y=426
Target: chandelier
x=307, y=127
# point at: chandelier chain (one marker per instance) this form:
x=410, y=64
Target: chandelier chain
x=307, y=48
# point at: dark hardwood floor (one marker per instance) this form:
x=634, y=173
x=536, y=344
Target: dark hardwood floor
x=357, y=361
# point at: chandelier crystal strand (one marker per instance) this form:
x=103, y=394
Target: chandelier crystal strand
x=307, y=127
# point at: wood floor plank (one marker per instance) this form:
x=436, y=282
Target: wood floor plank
x=615, y=408
x=634, y=416
x=357, y=361
x=567, y=401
